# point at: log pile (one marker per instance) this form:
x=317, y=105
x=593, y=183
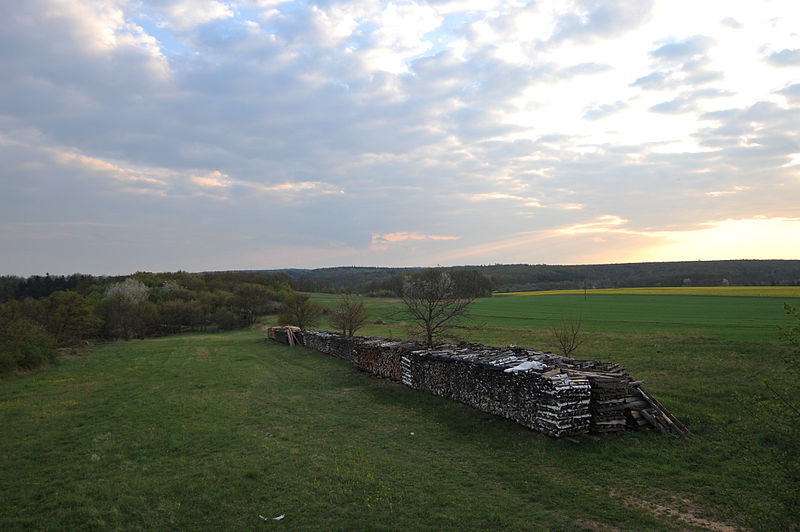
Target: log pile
x=381, y=357
x=503, y=383
x=335, y=345
x=555, y=395
x=285, y=335
x=608, y=403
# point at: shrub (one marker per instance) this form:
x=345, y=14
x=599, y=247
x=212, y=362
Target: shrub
x=299, y=311
x=349, y=316
x=225, y=319
x=23, y=343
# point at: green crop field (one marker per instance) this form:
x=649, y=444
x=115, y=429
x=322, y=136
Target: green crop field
x=502, y=318
x=735, y=291
x=743, y=318
x=227, y=431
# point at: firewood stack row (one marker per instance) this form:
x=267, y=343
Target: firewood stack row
x=549, y=393
x=503, y=383
x=333, y=344
x=381, y=357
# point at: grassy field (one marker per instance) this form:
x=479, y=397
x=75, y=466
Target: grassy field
x=503, y=318
x=223, y=430
x=734, y=291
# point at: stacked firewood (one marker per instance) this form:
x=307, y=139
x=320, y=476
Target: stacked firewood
x=335, y=345
x=608, y=403
x=381, y=357
x=549, y=393
x=285, y=335
x=503, y=383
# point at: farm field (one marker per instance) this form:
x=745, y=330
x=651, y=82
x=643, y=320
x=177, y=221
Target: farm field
x=721, y=312
x=734, y=291
x=223, y=430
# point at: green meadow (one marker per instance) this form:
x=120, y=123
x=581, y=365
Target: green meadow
x=228, y=431
x=713, y=312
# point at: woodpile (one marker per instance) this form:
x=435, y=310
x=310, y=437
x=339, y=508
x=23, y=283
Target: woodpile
x=549, y=393
x=381, y=357
x=608, y=403
x=505, y=384
x=284, y=335
x=335, y=345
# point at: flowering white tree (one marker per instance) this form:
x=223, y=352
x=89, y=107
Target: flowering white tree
x=130, y=291
x=126, y=308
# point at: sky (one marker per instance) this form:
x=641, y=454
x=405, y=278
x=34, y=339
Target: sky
x=163, y=135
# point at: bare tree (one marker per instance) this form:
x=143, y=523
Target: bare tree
x=568, y=335
x=433, y=302
x=349, y=316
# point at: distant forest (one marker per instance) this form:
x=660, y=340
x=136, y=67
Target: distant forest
x=523, y=277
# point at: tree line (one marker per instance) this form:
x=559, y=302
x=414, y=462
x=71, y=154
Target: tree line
x=42, y=313
x=521, y=277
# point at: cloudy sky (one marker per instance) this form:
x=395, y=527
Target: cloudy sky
x=233, y=134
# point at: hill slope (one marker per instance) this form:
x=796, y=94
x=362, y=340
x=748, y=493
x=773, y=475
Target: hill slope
x=517, y=277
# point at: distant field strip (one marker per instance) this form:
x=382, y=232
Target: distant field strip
x=741, y=317
x=747, y=291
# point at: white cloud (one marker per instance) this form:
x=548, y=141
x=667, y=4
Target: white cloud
x=382, y=125
x=608, y=223
x=187, y=14
x=385, y=240
x=400, y=36
x=297, y=187
x=734, y=190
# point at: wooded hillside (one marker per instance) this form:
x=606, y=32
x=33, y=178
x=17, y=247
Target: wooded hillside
x=519, y=277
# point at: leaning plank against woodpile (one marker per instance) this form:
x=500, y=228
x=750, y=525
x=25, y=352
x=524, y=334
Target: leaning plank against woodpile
x=285, y=335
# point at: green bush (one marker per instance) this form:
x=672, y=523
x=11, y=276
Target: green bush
x=7, y=362
x=23, y=343
x=299, y=311
x=226, y=320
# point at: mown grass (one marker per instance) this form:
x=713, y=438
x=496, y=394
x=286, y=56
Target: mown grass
x=214, y=431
